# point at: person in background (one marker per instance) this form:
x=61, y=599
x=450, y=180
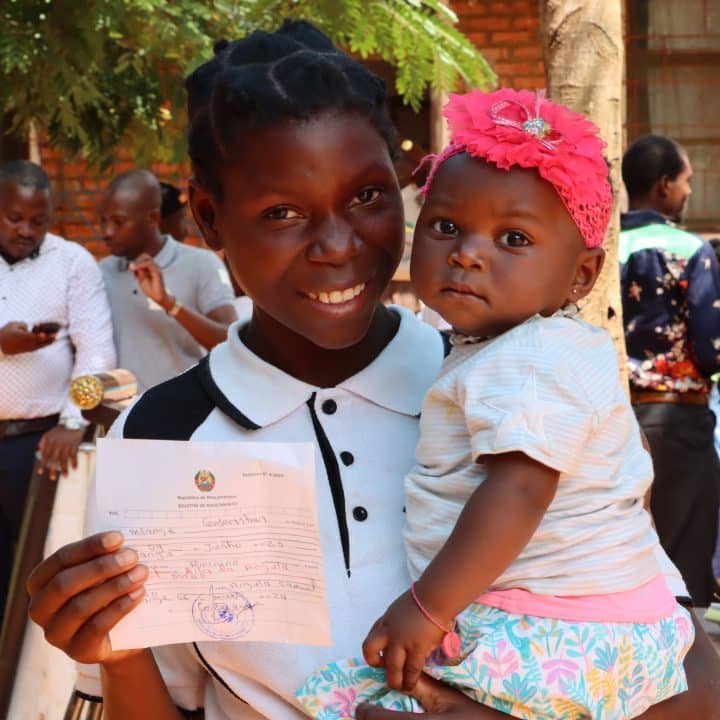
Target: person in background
x=54, y=326
x=170, y=302
x=671, y=309
x=174, y=218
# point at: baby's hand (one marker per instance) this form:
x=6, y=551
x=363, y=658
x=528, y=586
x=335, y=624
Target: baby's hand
x=400, y=641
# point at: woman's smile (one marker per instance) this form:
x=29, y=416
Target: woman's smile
x=336, y=297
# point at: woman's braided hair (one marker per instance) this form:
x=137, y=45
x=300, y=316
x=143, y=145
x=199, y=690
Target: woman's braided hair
x=268, y=78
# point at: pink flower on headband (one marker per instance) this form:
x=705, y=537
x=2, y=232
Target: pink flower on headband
x=520, y=128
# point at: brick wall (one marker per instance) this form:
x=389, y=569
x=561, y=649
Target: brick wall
x=78, y=189
x=507, y=33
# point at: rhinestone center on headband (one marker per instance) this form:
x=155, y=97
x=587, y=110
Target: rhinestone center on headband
x=536, y=127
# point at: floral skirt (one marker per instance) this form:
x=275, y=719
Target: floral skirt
x=531, y=667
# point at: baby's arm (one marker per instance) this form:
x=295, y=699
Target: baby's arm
x=495, y=525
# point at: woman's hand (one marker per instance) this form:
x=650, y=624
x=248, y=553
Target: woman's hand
x=80, y=593
x=400, y=642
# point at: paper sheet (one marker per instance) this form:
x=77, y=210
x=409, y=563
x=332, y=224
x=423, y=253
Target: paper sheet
x=230, y=534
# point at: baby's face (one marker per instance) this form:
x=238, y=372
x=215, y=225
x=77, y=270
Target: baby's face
x=493, y=247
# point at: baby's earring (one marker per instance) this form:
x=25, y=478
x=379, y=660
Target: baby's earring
x=574, y=291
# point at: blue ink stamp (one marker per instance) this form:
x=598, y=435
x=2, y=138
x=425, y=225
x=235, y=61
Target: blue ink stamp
x=223, y=614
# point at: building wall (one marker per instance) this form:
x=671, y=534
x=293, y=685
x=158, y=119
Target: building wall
x=507, y=33
x=78, y=190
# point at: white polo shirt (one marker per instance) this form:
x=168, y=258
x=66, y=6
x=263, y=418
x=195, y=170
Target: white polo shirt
x=365, y=431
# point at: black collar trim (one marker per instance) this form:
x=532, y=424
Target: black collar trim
x=335, y=479
x=219, y=398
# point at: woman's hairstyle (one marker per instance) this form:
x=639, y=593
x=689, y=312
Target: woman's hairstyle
x=269, y=78
x=647, y=160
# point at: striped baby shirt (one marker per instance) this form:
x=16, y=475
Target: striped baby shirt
x=549, y=388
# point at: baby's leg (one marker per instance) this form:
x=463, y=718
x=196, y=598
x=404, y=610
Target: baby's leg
x=530, y=667
x=335, y=690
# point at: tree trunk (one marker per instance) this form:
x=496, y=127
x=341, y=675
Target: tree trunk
x=584, y=65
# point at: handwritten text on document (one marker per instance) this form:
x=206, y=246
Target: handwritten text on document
x=229, y=532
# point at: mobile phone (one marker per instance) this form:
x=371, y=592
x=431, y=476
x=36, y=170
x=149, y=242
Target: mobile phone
x=49, y=328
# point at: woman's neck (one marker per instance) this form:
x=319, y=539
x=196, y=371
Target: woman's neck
x=302, y=359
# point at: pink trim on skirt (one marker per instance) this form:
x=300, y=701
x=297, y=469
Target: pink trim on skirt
x=648, y=603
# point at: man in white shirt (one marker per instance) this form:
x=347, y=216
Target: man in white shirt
x=170, y=302
x=44, y=280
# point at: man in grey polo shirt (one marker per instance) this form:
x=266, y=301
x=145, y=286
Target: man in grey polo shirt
x=170, y=302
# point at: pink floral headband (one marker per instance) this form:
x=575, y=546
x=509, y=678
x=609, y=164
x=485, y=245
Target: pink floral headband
x=517, y=127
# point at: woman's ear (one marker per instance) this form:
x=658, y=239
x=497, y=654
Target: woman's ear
x=587, y=270
x=203, y=204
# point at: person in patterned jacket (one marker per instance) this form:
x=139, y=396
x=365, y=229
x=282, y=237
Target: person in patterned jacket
x=671, y=309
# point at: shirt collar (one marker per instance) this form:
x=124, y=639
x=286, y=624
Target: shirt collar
x=167, y=252
x=397, y=379
x=639, y=218
x=163, y=259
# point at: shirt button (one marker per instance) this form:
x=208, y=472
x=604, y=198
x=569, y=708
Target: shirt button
x=347, y=457
x=360, y=513
x=329, y=407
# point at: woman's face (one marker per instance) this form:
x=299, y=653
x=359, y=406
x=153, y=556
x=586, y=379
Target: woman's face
x=311, y=222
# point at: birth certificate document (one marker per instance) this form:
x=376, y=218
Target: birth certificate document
x=229, y=532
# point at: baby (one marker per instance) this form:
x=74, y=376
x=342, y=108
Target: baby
x=536, y=585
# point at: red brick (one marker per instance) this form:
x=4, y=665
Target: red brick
x=511, y=38
x=478, y=39
x=528, y=52
x=526, y=22
x=492, y=54
x=503, y=68
x=87, y=201
x=529, y=83
x=523, y=7
x=501, y=8
x=490, y=22
x=514, y=68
